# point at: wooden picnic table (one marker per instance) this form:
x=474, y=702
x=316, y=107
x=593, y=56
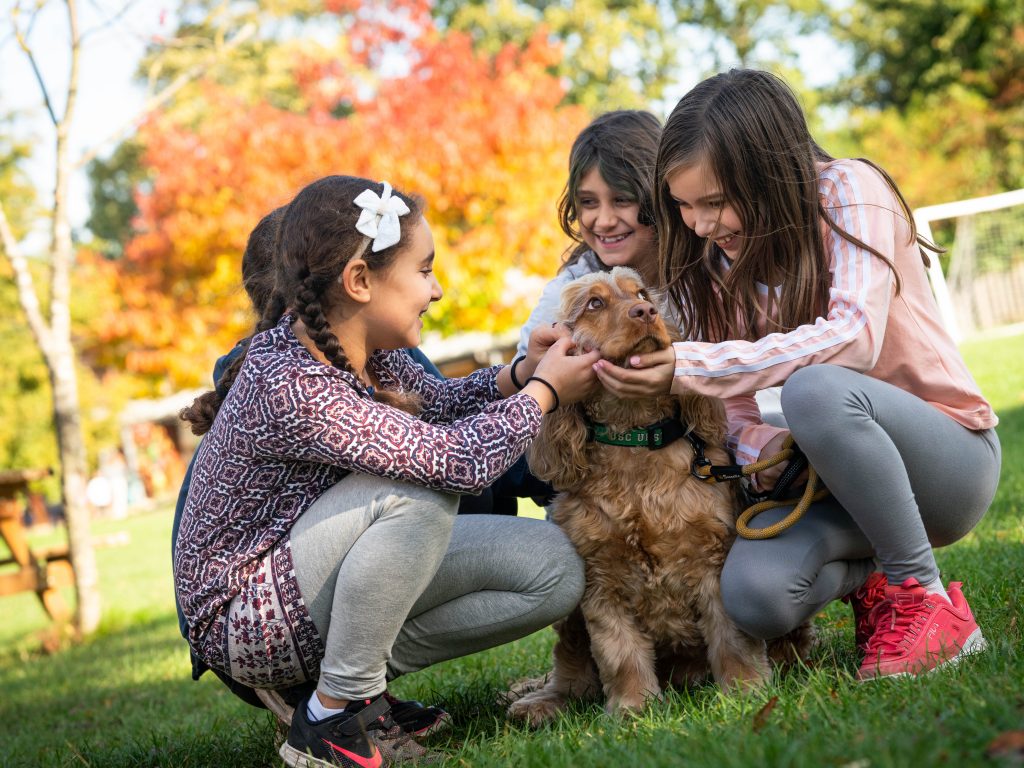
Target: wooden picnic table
x=43, y=571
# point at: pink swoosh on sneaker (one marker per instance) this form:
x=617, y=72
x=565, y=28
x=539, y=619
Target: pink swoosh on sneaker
x=374, y=761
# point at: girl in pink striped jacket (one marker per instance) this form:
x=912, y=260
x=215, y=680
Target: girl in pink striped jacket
x=789, y=267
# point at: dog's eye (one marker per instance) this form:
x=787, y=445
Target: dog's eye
x=595, y=303
x=642, y=295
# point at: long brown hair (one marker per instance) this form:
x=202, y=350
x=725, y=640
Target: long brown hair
x=623, y=146
x=258, y=281
x=747, y=129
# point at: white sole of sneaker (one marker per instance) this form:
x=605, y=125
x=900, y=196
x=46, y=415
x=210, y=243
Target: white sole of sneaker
x=292, y=757
x=976, y=643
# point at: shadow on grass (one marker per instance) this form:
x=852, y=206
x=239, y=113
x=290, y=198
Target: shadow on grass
x=125, y=697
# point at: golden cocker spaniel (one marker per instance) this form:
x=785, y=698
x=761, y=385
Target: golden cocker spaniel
x=653, y=537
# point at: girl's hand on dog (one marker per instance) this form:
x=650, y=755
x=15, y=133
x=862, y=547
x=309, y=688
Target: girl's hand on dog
x=569, y=370
x=648, y=375
x=541, y=339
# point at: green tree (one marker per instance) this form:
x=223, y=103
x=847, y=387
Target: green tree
x=750, y=33
x=903, y=48
x=113, y=182
x=260, y=67
x=24, y=387
x=15, y=186
x=938, y=89
x=621, y=54
x=616, y=54
x=43, y=281
x=282, y=46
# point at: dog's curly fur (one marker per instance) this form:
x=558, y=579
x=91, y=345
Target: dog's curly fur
x=653, y=537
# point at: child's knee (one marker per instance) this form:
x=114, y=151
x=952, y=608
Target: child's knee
x=806, y=387
x=811, y=399
x=761, y=607
x=430, y=507
x=440, y=504
x=551, y=553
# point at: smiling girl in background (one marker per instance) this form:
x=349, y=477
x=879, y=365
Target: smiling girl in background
x=607, y=206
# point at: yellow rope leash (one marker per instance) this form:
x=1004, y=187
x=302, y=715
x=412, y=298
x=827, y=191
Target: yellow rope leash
x=810, y=495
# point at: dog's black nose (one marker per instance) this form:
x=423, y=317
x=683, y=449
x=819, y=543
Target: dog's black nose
x=643, y=311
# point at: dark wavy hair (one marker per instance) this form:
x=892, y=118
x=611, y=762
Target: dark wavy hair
x=748, y=129
x=623, y=146
x=258, y=280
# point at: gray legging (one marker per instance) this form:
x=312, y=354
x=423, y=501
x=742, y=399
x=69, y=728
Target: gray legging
x=904, y=477
x=394, y=581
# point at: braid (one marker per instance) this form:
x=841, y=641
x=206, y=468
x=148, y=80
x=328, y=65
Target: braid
x=275, y=308
x=310, y=310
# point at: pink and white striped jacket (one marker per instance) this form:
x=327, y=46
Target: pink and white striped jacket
x=898, y=339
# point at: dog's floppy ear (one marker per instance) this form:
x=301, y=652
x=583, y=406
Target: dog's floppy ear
x=558, y=454
x=705, y=416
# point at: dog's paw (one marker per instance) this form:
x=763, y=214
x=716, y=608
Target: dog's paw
x=630, y=703
x=794, y=646
x=519, y=689
x=537, y=708
x=745, y=676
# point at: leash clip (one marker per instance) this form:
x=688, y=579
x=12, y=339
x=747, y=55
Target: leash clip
x=724, y=472
x=699, y=462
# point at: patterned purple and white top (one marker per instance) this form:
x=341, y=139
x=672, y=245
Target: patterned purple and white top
x=291, y=427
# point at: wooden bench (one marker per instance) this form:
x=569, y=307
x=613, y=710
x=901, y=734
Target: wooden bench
x=43, y=571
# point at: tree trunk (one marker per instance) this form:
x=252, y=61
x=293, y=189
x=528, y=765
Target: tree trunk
x=54, y=337
x=67, y=419
x=61, y=362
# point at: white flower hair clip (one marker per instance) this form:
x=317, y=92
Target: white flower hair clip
x=379, y=217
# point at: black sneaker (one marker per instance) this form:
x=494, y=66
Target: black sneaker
x=368, y=738
x=417, y=718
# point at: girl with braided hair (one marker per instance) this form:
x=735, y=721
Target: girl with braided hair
x=320, y=539
x=258, y=282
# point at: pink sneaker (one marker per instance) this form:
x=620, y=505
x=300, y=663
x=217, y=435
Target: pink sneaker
x=917, y=631
x=864, y=600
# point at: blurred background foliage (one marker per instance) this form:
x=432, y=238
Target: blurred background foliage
x=472, y=104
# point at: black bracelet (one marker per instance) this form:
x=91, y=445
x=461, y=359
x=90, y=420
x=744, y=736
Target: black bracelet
x=554, y=392
x=512, y=372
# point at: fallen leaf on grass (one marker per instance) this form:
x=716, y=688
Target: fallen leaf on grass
x=761, y=718
x=1007, y=745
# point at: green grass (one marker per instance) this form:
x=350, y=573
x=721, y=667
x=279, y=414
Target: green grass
x=124, y=698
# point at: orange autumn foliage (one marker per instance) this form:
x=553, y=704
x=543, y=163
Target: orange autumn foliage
x=482, y=139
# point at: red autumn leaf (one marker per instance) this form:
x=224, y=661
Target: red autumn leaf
x=761, y=718
x=1008, y=744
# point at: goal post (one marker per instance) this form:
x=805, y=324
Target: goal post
x=984, y=287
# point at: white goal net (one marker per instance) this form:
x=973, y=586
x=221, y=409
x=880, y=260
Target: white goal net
x=979, y=281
